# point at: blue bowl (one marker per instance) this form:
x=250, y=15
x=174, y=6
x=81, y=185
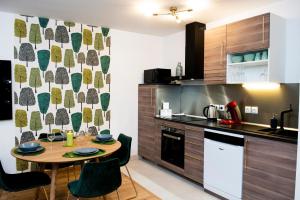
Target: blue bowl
x=104, y=137
x=29, y=146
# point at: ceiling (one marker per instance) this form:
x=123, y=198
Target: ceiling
x=127, y=15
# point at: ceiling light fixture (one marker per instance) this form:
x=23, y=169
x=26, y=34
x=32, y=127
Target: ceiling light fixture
x=174, y=12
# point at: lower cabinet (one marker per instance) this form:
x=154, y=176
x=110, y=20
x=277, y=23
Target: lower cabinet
x=269, y=169
x=194, y=152
x=269, y=166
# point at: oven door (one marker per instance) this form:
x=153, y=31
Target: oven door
x=172, y=146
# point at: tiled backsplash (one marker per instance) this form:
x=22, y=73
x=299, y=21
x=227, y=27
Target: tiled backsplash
x=192, y=99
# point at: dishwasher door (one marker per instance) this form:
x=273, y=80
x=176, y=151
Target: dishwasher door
x=223, y=164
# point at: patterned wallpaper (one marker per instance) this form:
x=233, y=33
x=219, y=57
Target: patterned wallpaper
x=62, y=78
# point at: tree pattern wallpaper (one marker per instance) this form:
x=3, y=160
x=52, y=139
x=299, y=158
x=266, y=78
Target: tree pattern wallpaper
x=62, y=76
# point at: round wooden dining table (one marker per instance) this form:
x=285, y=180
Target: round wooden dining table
x=54, y=152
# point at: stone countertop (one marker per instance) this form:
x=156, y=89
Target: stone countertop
x=243, y=129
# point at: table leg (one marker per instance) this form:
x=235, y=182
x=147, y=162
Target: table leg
x=53, y=176
x=37, y=192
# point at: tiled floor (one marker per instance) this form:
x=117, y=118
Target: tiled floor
x=165, y=184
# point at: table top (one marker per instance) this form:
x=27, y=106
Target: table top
x=55, y=154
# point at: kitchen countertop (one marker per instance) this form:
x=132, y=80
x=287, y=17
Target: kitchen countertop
x=243, y=129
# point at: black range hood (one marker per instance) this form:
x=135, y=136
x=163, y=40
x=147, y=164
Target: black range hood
x=194, y=51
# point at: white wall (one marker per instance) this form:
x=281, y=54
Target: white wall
x=7, y=129
x=131, y=54
x=174, y=51
x=287, y=9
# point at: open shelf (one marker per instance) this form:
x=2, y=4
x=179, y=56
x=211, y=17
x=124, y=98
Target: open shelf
x=249, y=63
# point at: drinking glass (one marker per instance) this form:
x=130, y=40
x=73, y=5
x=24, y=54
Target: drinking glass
x=51, y=137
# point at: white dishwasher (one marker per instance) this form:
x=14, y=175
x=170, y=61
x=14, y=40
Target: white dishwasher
x=223, y=163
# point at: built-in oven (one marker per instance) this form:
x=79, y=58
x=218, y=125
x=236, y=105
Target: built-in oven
x=172, y=146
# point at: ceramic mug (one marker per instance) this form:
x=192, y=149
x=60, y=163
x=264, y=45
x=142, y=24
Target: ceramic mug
x=264, y=55
x=257, y=56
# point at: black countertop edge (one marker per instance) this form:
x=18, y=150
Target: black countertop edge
x=161, y=84
x=249, y=130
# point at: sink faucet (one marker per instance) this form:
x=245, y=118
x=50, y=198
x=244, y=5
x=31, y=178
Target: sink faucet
x=282, y=117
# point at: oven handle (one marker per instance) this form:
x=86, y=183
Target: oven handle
x=171, y=136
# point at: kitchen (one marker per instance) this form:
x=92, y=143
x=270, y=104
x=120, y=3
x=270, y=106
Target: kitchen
x=199, y=130
x=218, y=119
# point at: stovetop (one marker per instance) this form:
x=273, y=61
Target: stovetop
x=184, y=118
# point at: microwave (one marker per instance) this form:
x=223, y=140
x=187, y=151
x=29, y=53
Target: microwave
x=157, y=76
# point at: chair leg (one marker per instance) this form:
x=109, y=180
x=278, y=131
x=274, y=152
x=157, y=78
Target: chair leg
x=68, y=195
x=45, y=192
x=68, y=174
x=118, y=194
x=37, y=193
x=131, y=181
x=74, y=171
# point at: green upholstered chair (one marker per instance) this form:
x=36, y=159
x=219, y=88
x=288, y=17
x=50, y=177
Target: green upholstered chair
x=97, y=179
x=123, y=154
x=23, y=181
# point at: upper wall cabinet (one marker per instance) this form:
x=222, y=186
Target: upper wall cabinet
x=215, y=55
x=249, y=35
x=256, y=50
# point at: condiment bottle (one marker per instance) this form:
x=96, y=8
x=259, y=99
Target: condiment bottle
x=274, y=122
x=70, y=140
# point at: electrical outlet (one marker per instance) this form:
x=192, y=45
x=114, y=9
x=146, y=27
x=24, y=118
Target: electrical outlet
x=248, y=109
x=221, y=108
x=217, y=106
x=254, y=110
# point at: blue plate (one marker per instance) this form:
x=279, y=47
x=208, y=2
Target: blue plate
x=29, y=146
x=104, y=137
x=86, y=151
x=108, y=140
x=40, y=148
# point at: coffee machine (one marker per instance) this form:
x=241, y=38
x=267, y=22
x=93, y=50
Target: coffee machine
x=235, y=114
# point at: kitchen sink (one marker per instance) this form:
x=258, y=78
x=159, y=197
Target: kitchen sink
x=287, y=133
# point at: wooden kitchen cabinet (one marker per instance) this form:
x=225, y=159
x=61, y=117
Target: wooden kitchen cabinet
x=215, y=55
x=194, y=153
x=269, y=169
x=146, y=121
x=249, y=34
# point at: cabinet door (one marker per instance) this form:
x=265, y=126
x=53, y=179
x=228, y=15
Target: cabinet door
x=249, y=34
x=193, y=156
x=146, y=121
x=269, y=169
x=215, y=55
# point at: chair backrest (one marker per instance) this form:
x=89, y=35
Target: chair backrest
x=106, y=131
x=45, y=135
x=97, y=179
x=125, y=150
x=2, y=177
x=27, y=137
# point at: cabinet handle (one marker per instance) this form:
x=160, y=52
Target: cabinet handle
x=151, y=97
x=245, y=153
x=263, y=30
x=221, y=60
x=171, y=136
